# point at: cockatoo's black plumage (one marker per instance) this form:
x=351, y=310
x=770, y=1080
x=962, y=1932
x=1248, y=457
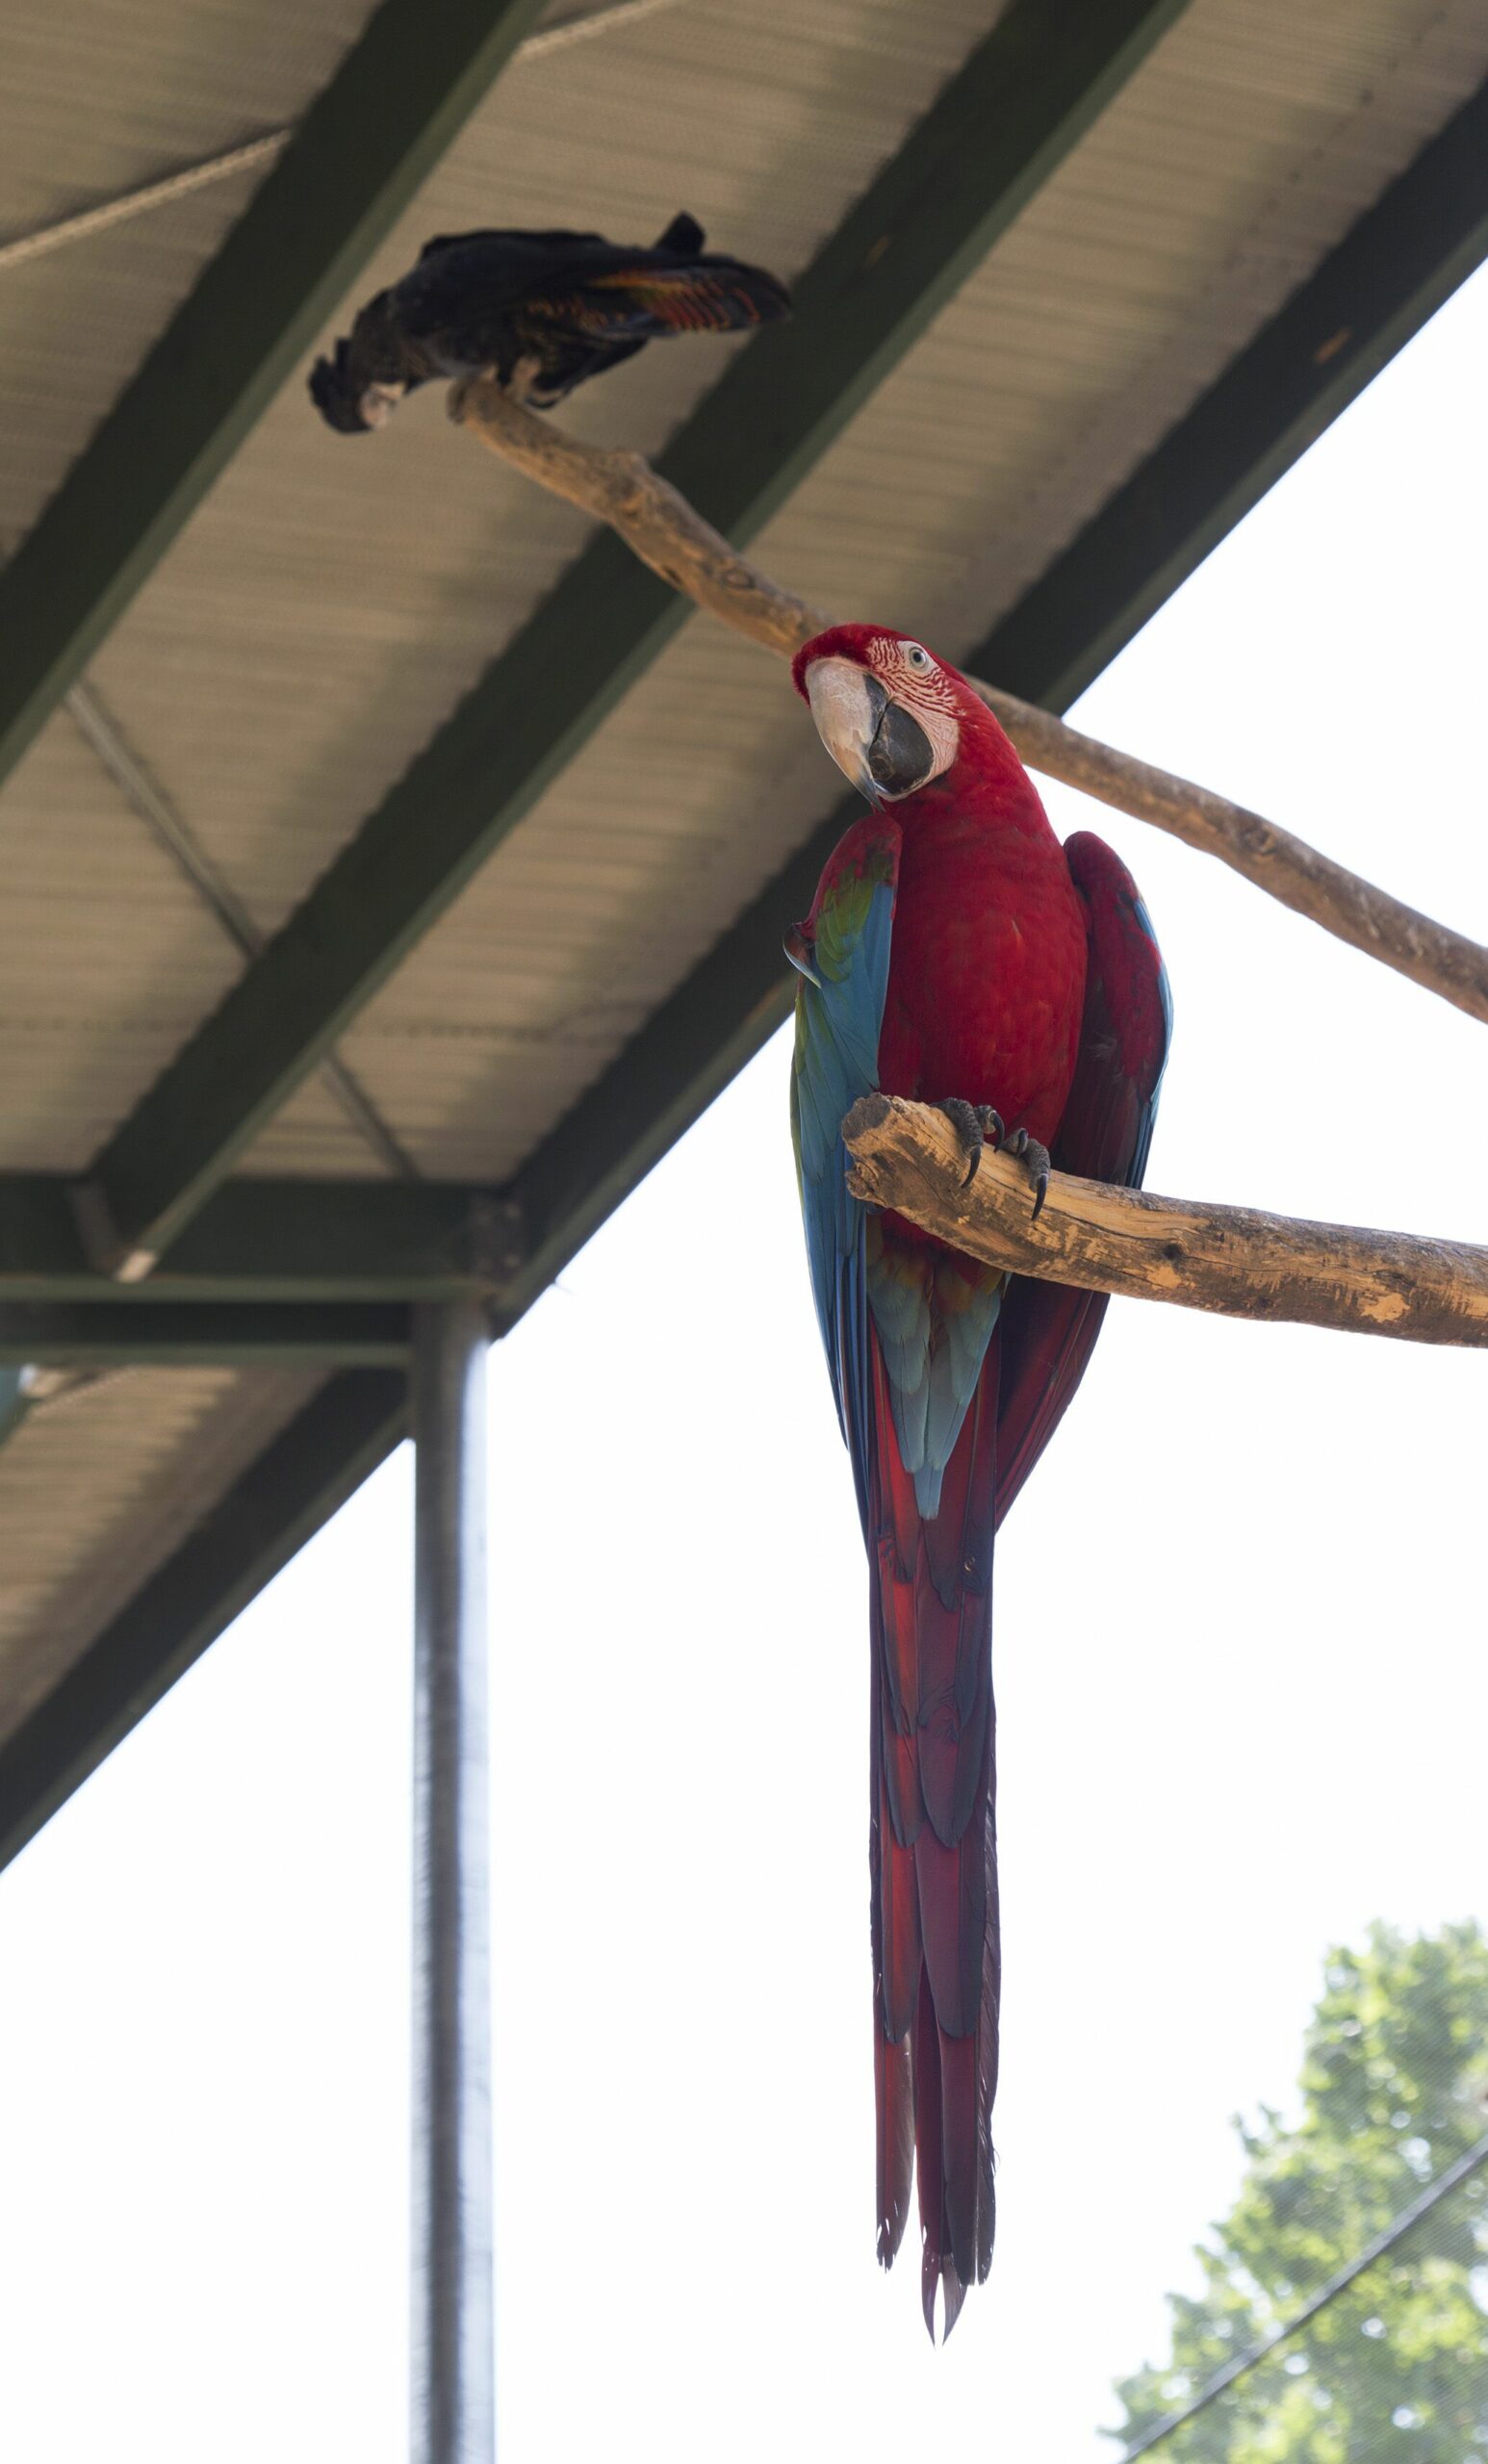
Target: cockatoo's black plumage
x=543, y=309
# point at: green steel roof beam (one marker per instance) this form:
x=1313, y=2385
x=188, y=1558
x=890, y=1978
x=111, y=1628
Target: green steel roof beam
x=190, y=1334
x=1406, y=255
x=996, y=133
x=274, y=1240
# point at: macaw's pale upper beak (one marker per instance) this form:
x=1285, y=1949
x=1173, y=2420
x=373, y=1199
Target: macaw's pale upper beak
x=873, y=739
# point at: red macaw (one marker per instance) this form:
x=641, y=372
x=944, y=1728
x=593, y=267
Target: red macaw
x=958, y=954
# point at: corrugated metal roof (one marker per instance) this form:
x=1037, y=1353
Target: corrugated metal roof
x=100, y=1486
x=100, y=99
x=1202, y=195
x=111, y=956
x=330, y=601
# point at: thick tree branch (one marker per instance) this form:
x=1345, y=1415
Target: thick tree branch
x=664, y=531
x=1228, y=1259
x=1355, y=911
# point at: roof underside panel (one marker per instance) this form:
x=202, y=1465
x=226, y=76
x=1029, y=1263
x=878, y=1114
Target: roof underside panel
x=102, y=100
x=1245, y=147
x=332, y=600
x=362, y=586
x=109, y=955
x=100, y=1484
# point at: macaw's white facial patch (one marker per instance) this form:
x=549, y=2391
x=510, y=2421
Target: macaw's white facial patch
x=890, y=725
x=918, y=681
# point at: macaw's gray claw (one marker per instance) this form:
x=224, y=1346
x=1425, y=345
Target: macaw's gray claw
x=1036, y=1156
x=973, y=1124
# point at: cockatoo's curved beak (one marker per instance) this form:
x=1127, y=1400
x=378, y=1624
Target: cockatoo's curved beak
x=378, y=403
x=874, y=741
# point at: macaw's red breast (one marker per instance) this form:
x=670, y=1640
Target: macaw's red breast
x=986, y=970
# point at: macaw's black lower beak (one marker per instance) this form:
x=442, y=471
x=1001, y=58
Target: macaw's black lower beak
x=900, y=754
x=872, y=738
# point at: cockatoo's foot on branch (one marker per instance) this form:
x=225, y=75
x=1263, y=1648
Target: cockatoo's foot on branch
x=975, y=1123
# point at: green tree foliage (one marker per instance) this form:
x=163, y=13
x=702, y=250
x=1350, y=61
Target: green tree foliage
x=1394, y=2088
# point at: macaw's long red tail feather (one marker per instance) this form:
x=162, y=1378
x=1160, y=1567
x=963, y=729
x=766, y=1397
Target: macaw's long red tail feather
x=932, y=1848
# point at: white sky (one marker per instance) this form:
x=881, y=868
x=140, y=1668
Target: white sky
x=1241, y=1688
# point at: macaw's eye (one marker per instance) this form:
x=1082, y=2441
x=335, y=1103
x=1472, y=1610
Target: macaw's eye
x=917, y=658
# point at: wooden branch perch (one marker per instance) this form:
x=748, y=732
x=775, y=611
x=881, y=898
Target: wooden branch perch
x=664, y=531
x=1227, y=1259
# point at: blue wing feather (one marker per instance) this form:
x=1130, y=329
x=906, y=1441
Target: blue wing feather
x=842, y=956
x=933, y=1344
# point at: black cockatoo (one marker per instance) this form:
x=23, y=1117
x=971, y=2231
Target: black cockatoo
x=543, y=309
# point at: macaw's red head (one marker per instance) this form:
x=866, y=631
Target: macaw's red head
x=892, y=716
